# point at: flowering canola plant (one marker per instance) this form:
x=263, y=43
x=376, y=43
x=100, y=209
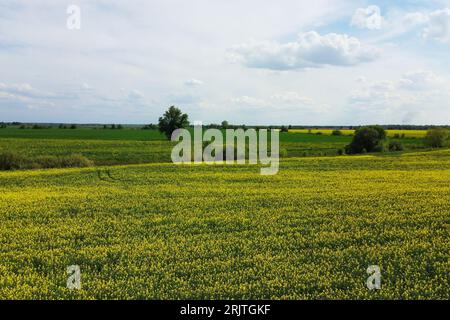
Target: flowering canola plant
x=163, y=231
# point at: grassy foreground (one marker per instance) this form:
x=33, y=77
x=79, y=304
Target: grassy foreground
x=161, y=231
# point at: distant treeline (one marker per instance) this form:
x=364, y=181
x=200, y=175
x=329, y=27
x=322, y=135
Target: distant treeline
x=152, y=126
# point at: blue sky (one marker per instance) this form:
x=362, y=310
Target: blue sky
x=325, y=62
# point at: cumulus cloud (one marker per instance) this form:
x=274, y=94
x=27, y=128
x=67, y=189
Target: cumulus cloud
x=435, y=25
x=311, y=50
x=438, y=27
x=367, y=18
x=193, y=82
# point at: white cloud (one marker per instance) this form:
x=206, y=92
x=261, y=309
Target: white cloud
x=24, y=90
x=135, y=95
x=193, y=82
x=419, y=80
x=375, y=94
x=367, y=18
x=416, y=97
x=438, y=27
x=249, y=101
x=290, y=97
x=413, y=19
x=311, y=50
x=287, y=99
x=361, y=79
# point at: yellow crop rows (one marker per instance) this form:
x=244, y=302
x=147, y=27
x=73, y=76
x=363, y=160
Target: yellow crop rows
x=197, y=231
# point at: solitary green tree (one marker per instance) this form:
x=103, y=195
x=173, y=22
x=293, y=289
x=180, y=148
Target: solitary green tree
x=172, y=119
x=436, y=137
x=367, y=139
x=225, y=124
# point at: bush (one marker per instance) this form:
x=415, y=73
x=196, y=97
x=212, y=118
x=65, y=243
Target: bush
x=73, y=126
x=367, y=139
x=283, y=153
x=284, y=129
x=10, y=161
x=436, y=137
x=336, y=133
x=395, y=145
x=14, y=161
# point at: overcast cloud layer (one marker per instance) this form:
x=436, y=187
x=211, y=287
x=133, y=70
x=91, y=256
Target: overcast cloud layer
x=255, y=62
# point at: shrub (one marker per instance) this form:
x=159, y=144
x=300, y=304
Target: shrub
x=73, y=126
x=10, y=161
x=395, y=145
x=336, y=133
x=367, y=139
x=283, y=153
x=436, y=137
x=13, y=161
x=284, y=129
x=74, y=160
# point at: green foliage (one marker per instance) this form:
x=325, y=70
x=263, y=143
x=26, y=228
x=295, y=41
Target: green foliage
x=13, y=161
x=225, y=124
x=10, y=161
x=172, y=119
x=436, y=138
x=367, y=139
x=336, y=133
x=396, y=145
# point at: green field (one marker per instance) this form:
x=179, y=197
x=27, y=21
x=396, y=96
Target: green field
x=82, y=134
x=163, y=231
x=133, y=146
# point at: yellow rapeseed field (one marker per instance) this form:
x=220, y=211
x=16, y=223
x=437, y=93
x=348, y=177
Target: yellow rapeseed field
x=161, y=231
